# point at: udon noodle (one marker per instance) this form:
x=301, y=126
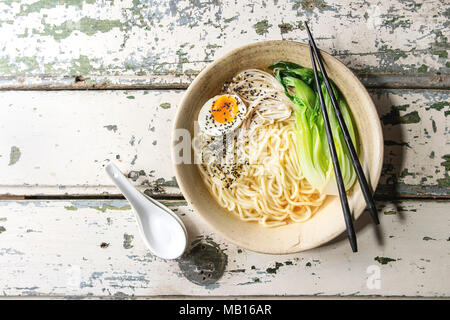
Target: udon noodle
x=255, y=172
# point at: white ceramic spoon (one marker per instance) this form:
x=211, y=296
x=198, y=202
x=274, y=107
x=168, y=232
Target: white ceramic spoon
x=161, y=229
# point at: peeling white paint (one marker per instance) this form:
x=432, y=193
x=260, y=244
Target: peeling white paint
x=182, y=37
x=64, y=256
x=65, y=142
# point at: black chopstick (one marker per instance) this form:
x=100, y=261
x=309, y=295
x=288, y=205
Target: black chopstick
x=348, y=141
x=337, y=168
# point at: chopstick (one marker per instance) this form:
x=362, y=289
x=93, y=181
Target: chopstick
x=367, y=193
x=337, y=168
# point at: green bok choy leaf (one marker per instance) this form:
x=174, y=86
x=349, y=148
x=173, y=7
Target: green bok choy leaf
x=313, y=150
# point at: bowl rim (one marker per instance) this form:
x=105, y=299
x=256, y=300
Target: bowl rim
x=370, y=106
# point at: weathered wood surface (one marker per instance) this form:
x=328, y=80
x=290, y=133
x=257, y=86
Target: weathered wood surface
x=88, y=43
x=93, y=248
x=57, y=142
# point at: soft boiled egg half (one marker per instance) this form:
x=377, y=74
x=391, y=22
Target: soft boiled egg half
x=221, y=114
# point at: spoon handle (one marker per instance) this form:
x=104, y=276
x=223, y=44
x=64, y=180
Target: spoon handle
x=137, y=199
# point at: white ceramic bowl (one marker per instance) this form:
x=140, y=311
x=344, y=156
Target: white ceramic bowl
x=328, y=221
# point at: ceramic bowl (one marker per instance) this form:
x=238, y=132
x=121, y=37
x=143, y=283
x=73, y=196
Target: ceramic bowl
x=328, y=221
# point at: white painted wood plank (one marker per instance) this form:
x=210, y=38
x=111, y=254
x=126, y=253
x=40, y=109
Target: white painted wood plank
x=54, y=248
x=136, y=39
x=417, y=141
x=57, y=142
x=66, y=138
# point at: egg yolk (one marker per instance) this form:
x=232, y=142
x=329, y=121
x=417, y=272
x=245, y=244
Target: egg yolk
x=224, y=109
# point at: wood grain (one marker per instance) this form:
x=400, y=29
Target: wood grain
x=57, y=142
x=100, y=43
x=54, y=144
x=92, y=248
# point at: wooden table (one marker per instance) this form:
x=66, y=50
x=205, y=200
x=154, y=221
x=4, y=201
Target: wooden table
x=90, y=82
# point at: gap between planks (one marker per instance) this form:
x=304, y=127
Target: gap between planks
x=117, y=196
x=166, y=82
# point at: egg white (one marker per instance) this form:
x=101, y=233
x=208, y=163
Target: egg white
x=214, y=128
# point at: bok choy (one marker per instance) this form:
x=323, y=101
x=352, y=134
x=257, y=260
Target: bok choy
x=312, y=145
